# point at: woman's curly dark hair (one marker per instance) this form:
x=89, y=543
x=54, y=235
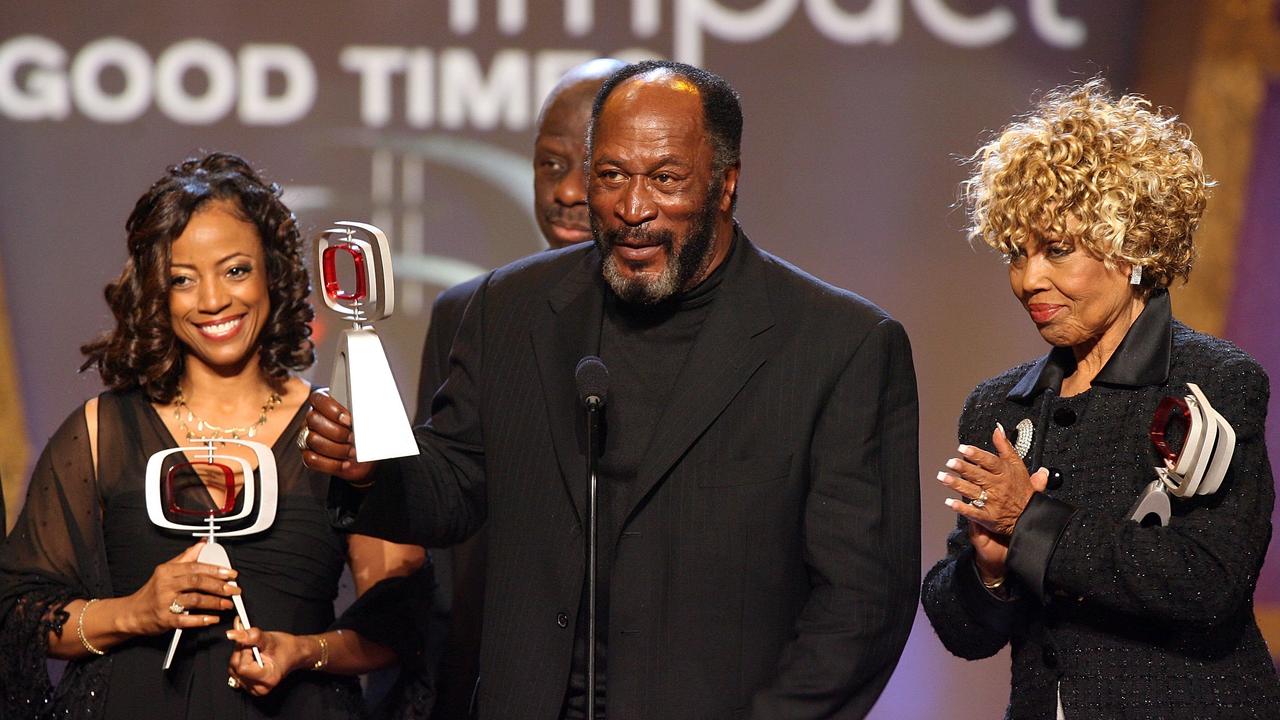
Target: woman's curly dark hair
x=142, y=351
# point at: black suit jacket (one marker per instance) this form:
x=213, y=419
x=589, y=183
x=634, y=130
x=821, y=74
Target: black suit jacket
x=462, y=579
x=768, y=564
x=446, y=316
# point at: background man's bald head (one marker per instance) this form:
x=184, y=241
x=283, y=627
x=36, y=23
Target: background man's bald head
x=579, y=85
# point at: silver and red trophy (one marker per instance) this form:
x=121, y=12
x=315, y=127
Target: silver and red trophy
x=1198, y=467
x=164, y=488
x=362, y=379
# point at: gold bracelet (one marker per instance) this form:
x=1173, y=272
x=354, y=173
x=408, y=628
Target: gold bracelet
x=994, y=585
x=80, y=630
x=324, y=654
x=361, y=486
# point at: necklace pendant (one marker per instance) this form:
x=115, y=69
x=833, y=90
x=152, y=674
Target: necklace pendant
x=253, y=431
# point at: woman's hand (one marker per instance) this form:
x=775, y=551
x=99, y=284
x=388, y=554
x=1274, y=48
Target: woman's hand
x=282, y=653
x=176, y=591
x=996, y=487
x=990, y=553
x=330, y=445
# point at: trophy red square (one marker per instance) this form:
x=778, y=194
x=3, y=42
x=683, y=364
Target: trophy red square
x=1170, y=410
x=329, y=272
x=228, y=482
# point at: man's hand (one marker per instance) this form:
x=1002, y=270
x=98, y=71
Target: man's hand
x=330, y=444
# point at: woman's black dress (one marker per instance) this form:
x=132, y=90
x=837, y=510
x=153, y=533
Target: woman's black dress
x=81, y=538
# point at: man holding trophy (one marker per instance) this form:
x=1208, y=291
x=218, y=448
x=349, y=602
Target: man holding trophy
x=758, y=514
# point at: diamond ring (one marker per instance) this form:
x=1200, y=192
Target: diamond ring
x=980, y=501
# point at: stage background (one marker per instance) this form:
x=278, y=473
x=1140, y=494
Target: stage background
x=418, y=117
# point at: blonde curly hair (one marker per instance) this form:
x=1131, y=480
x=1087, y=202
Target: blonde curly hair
x=1129, y=176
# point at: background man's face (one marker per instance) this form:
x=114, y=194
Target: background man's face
x=651, y=191
x=559, y=184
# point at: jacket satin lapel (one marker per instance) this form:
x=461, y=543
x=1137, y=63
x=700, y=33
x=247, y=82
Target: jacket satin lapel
x=565, y=330
x=730, y=348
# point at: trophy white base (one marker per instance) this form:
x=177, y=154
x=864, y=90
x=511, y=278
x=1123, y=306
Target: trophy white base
x=362, y=381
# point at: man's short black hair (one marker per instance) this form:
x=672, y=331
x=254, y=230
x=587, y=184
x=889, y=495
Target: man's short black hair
x=721, y=107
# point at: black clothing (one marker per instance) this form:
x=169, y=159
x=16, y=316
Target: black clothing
x=459, y=602
x=766, y=562
x=1122, y=620
x=81, y=537
x=644, y=348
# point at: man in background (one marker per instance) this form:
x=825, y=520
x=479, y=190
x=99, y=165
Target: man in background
x=560, y=208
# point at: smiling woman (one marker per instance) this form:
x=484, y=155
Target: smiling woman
x=211, y=320
x=218, y=300
x=216, y=200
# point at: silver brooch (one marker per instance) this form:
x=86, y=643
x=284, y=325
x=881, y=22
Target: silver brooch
x=1026, y=432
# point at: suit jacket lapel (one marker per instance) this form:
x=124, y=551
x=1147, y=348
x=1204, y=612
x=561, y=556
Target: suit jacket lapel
x=732, y=344
x=565, y=330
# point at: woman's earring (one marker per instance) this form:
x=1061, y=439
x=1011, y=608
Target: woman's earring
x=1135, y=275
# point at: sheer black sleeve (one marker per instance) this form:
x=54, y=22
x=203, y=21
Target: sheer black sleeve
x=396, y=613
x=53, y=556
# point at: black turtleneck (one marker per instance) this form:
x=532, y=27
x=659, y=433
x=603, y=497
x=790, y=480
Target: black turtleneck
x=644, y=347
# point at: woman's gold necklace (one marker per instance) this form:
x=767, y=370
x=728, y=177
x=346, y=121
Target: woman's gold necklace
x=207, y=430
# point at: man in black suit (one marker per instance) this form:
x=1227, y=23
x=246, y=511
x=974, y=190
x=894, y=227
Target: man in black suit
x=560, y=208
x=760, y=497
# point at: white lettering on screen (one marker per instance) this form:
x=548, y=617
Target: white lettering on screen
x=198, y=82
x=113, y=80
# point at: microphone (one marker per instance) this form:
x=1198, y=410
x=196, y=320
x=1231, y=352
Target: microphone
x=592, y=378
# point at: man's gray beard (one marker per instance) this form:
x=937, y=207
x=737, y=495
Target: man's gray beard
x=640, y=290
x=682, y=267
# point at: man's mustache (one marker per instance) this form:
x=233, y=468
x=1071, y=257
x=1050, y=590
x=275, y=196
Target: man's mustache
x=574, y=217
x=639, y=237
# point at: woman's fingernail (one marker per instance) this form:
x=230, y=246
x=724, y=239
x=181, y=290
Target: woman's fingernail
x=224, y=572
x=964, y=449
x=231, y=634
x=949, y=502
x=954, y=464
x=1000, y=428
x=942, y=476
x=344, y=419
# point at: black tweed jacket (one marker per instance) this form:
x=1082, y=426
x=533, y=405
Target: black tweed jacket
x=1122, y=621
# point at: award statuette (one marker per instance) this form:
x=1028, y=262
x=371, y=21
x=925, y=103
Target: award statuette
x=362, y=379
x=164, y=488
x=1197, y=467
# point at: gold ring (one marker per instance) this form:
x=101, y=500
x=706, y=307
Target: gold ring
x=232, y=682
x=980, y=501
x=303, y=435
x=176, y=607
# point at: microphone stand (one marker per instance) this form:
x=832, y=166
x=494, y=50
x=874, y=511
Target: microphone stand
x=594, y=405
